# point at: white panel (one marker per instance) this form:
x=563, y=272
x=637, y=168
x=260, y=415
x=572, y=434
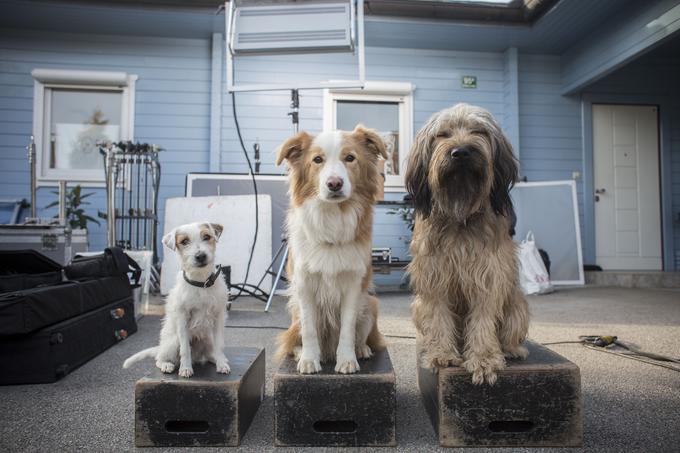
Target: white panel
x=603, y=164
x=549, y=209
x=626, y=163
x=625, y=177
x=648, y=171
x=627, y=243
x=625, y=156
x=236, y=214
x=627, y=220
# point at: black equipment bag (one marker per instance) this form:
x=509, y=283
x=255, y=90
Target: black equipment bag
x=26, y=269
x=55, y=351
x=113, y=261
x=23, y=312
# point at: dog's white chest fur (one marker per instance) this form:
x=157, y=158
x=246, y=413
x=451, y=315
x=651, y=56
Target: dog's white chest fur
x=200, y=306
x=323, y=239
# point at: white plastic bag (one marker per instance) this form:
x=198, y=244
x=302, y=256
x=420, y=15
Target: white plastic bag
x=533, y=277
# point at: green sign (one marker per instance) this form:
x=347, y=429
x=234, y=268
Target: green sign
x=469, y=81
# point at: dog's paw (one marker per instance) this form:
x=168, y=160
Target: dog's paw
x=308, y=365
x=516, y=352
x=186, y=371
x=223, y=367
x=483, y=368
x=166, y=367
x=346, y=365
x=433, y=361
x=364, y=352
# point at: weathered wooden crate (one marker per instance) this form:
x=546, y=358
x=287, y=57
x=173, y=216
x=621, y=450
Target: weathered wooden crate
x=207, y=409
x=338, y=410
x=534, y=403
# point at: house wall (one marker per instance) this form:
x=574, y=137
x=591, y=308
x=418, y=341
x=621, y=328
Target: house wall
x=172, y=103
x=649, y=79
x=436, y=75
x=631, y=31
x=550, y=125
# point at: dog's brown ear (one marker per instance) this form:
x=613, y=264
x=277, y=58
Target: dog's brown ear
x=292, y=149
x=217, y=228
x=505, y=174
x=169, y=239
x=417, y=169
x=371, y=140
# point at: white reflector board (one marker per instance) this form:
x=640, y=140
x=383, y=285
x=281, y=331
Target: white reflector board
x=550, y=210
x=237, y=215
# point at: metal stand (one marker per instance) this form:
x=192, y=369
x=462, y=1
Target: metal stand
x=278, y=276
x=133, y=174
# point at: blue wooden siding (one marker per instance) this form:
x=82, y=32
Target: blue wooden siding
x=436, y=75
x=549, y=123
x=172, y=104
x=624, y=36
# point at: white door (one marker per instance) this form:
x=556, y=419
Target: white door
x=627, y=200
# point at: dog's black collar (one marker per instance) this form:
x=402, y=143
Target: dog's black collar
x=206, y=284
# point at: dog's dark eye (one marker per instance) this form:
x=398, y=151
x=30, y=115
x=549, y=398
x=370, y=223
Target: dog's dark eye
x=206, y=237
x=185, y=242
x=318, y=159
x=443, y=135
x=350, y=158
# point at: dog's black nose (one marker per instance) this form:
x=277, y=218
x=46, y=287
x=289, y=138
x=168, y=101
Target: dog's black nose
x=200, y=257
x=460, y=152
x=334, y=183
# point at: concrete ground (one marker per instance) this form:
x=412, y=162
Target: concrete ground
x=628, y=405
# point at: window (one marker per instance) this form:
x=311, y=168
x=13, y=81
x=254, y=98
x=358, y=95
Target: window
x=384, y=106
x=73, y=110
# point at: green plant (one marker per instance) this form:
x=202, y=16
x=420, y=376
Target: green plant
x=75, y=215
x=408, y=216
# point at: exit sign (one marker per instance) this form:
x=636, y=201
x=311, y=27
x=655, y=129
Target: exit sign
x=468, y=81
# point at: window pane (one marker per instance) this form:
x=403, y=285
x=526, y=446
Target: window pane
x=381, y=116
x=80, y=119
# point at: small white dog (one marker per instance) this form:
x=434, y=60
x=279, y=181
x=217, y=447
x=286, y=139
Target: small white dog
x=193, y=327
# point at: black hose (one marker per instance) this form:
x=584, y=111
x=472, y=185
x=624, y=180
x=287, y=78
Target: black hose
x=252, y=174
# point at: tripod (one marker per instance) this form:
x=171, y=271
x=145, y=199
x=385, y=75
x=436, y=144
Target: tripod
x=278, y=276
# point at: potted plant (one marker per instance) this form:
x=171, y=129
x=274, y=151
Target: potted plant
x=76, y=218
x=407, y=215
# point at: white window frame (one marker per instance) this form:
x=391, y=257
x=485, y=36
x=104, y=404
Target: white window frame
x=47, y=79
x=397, y=92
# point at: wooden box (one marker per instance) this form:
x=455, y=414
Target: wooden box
x=207, y=409
x=534, y=403
x=336, y=410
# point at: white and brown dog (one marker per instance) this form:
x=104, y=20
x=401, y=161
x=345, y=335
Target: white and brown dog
x=193, y=327
x=334, y=181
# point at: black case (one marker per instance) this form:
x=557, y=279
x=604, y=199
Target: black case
x=25, y=269
x=112, y=261
x=25, y=311
x=53, y=352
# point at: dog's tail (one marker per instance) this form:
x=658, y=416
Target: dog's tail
x=141, y=355
x=288, y=341
x=375, y=339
